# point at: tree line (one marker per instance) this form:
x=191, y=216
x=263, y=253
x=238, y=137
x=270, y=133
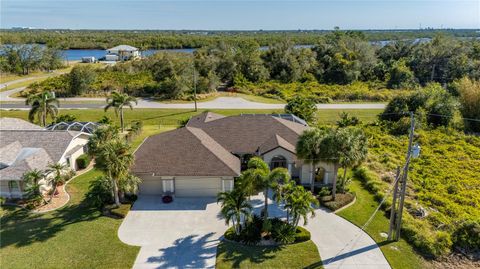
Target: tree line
x=338, y=58
x=23, y=59
x=148, y=39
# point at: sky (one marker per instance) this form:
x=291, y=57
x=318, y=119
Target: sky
x=239, y=14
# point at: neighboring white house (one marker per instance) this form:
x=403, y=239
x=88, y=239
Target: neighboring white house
x=122, y=53
x=207, y=155
x=25, y=146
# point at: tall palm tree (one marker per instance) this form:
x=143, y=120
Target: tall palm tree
x=299, y=203
x=42, y=105
x=308, y=149
x=234, y=207
x=119, y=100
x=342, y=147
x=56, y=169
x=101, y=135
x=355, y=149
x=259, y=172
x=115, y=159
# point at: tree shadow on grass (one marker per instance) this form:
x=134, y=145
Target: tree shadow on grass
x=23, y=227
x=192, y=251
x=237, y=253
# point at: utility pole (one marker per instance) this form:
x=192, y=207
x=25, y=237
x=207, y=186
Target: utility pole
x=393, y=209
x=396, y=213
x=405, y=176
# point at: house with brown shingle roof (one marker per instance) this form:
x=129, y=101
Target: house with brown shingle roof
x=25, y=147
x=204, y=157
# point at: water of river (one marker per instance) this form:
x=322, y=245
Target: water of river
x=77, y=54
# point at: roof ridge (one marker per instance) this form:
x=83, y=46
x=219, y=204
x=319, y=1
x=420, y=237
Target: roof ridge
x=197, y=132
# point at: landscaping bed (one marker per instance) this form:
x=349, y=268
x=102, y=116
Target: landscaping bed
x=342, y=200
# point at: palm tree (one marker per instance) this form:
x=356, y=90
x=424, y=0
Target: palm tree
x=32, y=189
x=299, y=203
x=308, y=149
x=42, y=105
x=115, y=158
x=33, y=176
x=57, y=169
x=259, y=172
x=102, y=134
x=118, y=100
x=234, y=207
x=354, y=151
x=128, y=184
x=342, y=147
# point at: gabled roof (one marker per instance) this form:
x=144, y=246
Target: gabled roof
x=17, y=124
x=245, y=133
x=275, y=142
x=198, y=120
x=54, y=143
x=123, y=48
x=27, y=159
x=186, y=151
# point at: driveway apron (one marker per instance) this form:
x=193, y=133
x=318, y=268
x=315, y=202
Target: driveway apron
x=182, y=234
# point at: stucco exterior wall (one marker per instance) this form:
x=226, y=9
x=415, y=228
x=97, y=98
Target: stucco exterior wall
x=81, y=140
x=295, y=167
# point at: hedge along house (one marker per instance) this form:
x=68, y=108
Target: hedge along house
x=204, y=157
x=25, y=146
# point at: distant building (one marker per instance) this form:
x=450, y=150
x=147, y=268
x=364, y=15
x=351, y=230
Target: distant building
x=89, y=59
x=122, y=53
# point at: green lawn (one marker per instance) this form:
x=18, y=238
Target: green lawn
x=301, y=255
x=400, y=254
x=75, y=236
x=166, y=117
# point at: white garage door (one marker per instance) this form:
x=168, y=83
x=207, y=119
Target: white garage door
x=150, y=185
x=197, y=187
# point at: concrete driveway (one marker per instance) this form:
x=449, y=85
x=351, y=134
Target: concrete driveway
x=343, y=245
x=185, y=234
x=182, y=234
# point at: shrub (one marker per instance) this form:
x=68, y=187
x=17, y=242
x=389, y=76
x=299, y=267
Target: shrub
x=283, y=233
x=341, y=200
x=83, y=161
x=301, y=107
x=324, y=191
x=467, y=236
x=431, y=243
x=121, y=211
x=302, y=235
x=368, y=179
x=230, y=234
x=251, y=233
x=99, y=192
x=65, y=118
x=137, y=127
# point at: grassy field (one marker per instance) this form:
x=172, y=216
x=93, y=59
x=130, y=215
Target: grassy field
x=301, y=255
x=210, y=97
x=165, y=117
x=75, y=236
x=399, y=254
x=23, y=84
